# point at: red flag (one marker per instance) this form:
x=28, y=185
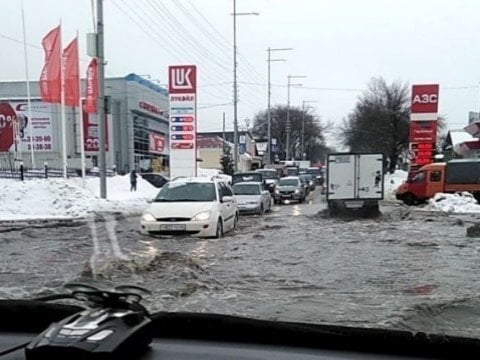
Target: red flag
x=91, y=87
x=71, y=74
x=50, y=78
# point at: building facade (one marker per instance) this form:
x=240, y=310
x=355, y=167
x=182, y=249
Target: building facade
x=137, y=127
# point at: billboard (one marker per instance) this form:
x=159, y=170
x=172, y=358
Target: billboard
x=36, y=131
x=182, y=86
x=156, y=142
x=90, y=130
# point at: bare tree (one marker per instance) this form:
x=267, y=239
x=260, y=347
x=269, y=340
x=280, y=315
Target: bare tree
x=380, y=121
x=315, y=130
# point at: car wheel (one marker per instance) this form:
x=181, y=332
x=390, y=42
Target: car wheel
x=261, y=211
x=219, y=231
x=235, y=221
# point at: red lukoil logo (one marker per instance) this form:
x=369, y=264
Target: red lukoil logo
x=182, y=79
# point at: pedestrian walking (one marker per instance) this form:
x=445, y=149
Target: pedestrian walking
x=133, y=180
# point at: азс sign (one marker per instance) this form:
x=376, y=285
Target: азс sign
x=182, y=86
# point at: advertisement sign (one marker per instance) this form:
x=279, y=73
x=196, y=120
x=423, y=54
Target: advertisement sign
x=182, y=87
x=14, y=115
x=423, y=131
x=156, y=142
x=90, y=131
x=424, y=102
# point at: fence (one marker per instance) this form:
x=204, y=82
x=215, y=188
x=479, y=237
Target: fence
x=46, y=172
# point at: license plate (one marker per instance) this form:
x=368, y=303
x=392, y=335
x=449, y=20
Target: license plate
x=287, y=195
x=174, y=227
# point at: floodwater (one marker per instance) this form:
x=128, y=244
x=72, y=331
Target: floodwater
x=406, y=270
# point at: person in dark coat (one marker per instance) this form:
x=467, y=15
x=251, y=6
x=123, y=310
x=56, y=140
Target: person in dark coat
x=133, y=180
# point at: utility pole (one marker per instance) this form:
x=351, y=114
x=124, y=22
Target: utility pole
x=235, y=85
x=223, y=145
x=304, y=109
x=101, y=101
x=288, y=125
x=269, y=115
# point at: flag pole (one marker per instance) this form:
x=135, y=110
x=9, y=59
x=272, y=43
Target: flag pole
x=62, y=105
x=29, y=110
x=80, y=119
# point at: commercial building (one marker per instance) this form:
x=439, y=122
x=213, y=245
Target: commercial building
x=137, y=127
x=247, y=158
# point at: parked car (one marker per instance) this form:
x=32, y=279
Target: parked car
x=157, y=180
x=203, y=207
x=251, y=197
x=271, y=178
x=290, y=188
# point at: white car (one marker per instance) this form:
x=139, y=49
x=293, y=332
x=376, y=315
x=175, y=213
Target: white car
x=202, y=207
x=251, y=197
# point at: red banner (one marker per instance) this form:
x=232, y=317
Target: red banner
x=7, y=117
x=91, y=95
x=50, y=78
x=157, y=143
x=90, y=131
x=71, y=74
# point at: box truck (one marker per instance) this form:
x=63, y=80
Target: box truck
x=355, y=183
x=454, y=176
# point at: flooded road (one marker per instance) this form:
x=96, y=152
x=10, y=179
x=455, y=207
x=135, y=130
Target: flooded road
x=408, y=269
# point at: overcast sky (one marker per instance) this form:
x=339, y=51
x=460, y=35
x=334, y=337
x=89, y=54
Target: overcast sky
x=338, y=44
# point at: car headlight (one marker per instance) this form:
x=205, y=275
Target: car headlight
x=204, y=215
x=148, y=217
x=297, y=191
x=277, y=191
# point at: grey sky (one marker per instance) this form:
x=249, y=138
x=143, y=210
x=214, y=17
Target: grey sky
x=339, y=44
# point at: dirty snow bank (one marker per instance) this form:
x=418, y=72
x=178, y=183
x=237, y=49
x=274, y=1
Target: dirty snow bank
x=60, y=198
x=392, y=182
x=456, y=203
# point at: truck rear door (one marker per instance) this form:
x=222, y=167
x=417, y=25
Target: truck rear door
x=341, y=177
x=369, y=182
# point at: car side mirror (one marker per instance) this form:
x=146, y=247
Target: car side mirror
x=149, y=201
x=227, y=199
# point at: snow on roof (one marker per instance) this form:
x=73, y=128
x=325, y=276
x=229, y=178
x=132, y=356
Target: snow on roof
x=459, y=136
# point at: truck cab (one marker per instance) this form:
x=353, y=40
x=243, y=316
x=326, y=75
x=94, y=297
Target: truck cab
x=422, y=184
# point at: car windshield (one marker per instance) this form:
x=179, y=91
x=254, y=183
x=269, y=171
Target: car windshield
x=124, y=158
x=246, y=189
x=288, y=182
x=173, y=191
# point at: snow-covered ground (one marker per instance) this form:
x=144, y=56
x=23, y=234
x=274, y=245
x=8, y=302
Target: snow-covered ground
x=59, y=198
x=392, y=182
x=457, y=203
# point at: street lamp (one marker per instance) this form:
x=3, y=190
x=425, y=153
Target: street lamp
x=303, y=125
x=269, y=116
x=290, y=77
x=235, y=86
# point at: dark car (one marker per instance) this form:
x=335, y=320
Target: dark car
x=270, y=177
x=157, y=180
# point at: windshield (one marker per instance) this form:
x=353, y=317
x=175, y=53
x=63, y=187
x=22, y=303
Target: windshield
x=186, y=192
x=288, y=182
x=133, y=179
x=246, y=189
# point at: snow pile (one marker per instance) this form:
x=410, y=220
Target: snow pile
x=393, y=181
x=213, y=172
x=60, y=198
x=457, y=203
